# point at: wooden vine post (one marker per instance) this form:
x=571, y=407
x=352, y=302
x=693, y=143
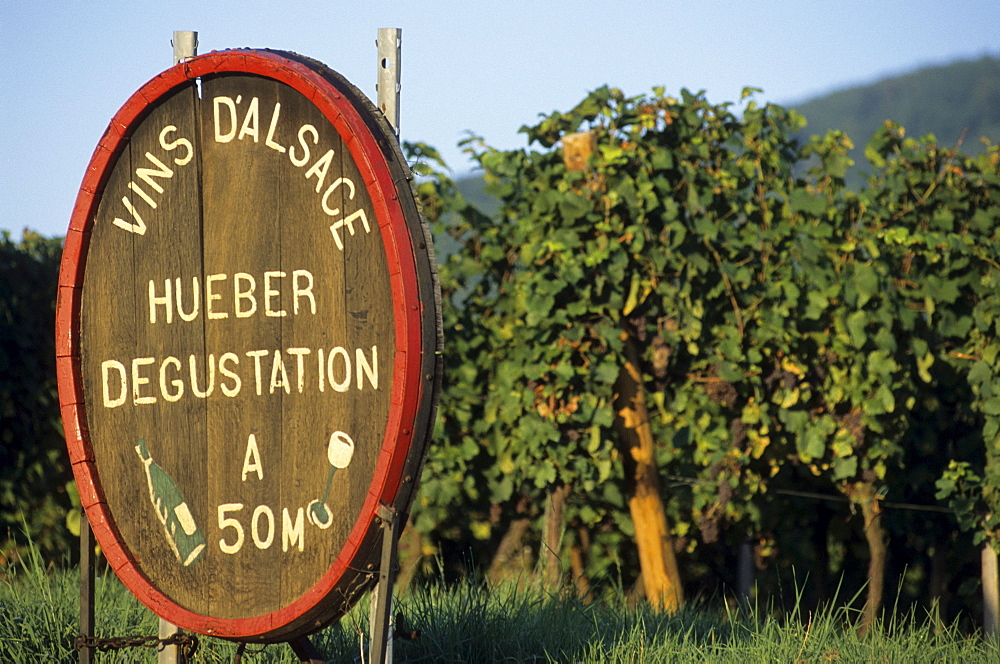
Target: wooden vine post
x=867, y=498
x=660, y=575
x=991, y=590
x=248, y=344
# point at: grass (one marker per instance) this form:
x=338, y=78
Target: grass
x=465, y=623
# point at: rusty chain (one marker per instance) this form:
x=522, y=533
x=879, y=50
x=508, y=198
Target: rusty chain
x=188, y=643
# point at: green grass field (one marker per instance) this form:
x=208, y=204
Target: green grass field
x=464, y=622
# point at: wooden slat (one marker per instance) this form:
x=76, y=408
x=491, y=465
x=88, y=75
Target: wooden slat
x=242, y=236
x=310, y=417
x=115, y=320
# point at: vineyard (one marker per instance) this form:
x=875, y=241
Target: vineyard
x=680, y=356
x=682, y=337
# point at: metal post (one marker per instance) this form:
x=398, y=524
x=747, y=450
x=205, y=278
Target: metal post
x=389, y=45
x=185, y=45
x=169, y=654
x=381, y=636
x=86, y=587
x=390, y=48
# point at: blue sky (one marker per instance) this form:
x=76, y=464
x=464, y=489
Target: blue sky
x=466, y=66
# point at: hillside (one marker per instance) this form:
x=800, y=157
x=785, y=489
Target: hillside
x=955, y=102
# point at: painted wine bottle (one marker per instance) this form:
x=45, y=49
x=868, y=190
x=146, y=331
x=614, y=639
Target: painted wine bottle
x=183, y=536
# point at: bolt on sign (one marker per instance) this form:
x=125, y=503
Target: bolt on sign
x=248, y=335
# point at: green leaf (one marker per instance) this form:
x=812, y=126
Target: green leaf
x=661, y=160
x=606, y=372
x=856, y=323
x=980, y=373
x=844, y=468
x=865, y=283
x=73, y=522
x=812, y=444
x=881, y=363
x=706, y=226
x=633, y=296
x=603, y=469
x=805, y=201
x=992, y=406
x=545, y=475
x=884, y=399
x=923, y=365
x=595, y=439
x=539, y=307
x=816, y=306
x=573, y=206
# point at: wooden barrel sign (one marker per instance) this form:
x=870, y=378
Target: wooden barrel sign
x=248, y=343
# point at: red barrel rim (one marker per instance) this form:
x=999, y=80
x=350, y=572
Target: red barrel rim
x=410, y=388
